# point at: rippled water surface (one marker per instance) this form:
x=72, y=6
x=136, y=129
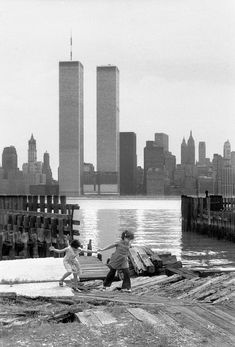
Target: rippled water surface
x=156, y=223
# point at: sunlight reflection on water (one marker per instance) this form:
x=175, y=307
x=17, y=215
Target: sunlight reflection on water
x=156, y=223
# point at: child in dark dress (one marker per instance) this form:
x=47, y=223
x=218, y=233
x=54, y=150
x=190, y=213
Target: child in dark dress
x=119, y=261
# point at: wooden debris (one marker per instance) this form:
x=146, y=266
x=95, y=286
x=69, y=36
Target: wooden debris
x=8, y=295
x=183, y=272
x=105, y=317
x=88, y=318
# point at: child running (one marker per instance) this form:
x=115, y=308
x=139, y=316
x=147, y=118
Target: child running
x=119, y=261
x=70, y=261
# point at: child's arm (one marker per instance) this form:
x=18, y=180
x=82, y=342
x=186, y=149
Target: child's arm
x=87, y=251
x=58, y=250
x=106, y=248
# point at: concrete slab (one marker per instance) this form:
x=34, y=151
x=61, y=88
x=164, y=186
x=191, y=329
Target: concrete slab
x=33, y=269
x=37, y=289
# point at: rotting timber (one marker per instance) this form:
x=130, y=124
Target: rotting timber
x=200, y=310
x=193, y=310
x=29, y=224
x=212, y=215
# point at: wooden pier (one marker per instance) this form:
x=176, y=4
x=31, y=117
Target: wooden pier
x=211, y=215
x=30, y=224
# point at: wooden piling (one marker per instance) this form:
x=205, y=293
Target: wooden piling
x=211, y=215
x=29, y=224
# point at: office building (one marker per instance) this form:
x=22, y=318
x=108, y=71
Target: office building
x=108, y=128
x=71, y=147
x=9, y=161
x=46, y=169
x=154, y=161
x=188, y=151
x=217, y=168
x=162, y=140
x=227, y=150
x=202, y=153
x=184, y=152
x=191, y=150
x=128, y=163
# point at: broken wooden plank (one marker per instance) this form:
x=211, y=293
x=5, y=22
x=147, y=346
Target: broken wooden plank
x=105, y=317
x=227, y=327
x=197, y=324
x=146, y=317
x=88, y=318
x=183, y=272
x=156, y=260
x=204, y=284
x=145, y=260
x=136, y=261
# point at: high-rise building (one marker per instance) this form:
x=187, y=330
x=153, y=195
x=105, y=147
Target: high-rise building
x=71, y=147
x=227, y=150
x=217, y=168
x=191, y=150
x=32, y=154
x=162, y=140
x=184, y=152
x=128, y=163
x=233, y=159
x=154, y=161
x=9, y=161
x=108, y=128
x=188, y=151
x=46, y=169
x=32, y=166
x=202, y=153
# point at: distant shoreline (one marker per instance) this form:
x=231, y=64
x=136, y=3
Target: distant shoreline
x=126, y=197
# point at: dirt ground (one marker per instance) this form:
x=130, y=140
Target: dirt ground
x=37, y=330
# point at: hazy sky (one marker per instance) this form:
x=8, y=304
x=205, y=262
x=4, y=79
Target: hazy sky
x=176, y=60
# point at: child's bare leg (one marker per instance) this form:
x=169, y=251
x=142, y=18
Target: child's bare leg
x=76, y=279
x=65, y=276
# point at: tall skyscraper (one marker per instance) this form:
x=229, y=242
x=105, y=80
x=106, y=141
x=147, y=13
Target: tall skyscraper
x=108, y=124
x=9, y=161
x=184, y=152
x=154, y=161
x=202, y=153
x=227, y=150
x=191, y=150
x=46, y=169
x=128, y=163
x=71, y=143
x=162, y=140
x=32, y=153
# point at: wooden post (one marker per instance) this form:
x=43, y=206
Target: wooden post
x=25, y=202
x=56, y=203
x=35, y=203
x=47, y=235
x=49, y=203
x=208, y=207
x=30, y=202
x=63, y=204
x=1, y=244
x=42, y=203
x=89, y=247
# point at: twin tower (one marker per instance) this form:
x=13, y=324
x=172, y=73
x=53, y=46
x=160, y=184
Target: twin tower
x=71, y=125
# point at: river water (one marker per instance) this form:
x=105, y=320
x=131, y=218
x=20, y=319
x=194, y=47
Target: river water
x=156, y=223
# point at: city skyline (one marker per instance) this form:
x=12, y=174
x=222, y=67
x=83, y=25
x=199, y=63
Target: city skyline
x=176, y=67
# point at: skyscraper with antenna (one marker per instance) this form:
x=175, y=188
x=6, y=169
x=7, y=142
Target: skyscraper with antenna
x=71, y=142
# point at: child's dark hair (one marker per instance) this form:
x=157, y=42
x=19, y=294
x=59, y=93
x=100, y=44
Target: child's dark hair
x=75, y=244
x=128, y=234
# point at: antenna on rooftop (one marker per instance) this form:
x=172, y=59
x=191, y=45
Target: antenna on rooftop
x=71, y=46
